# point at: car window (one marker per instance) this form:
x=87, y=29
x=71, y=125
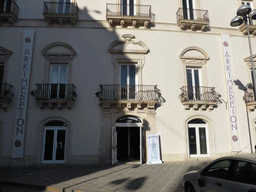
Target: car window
x=218, y=169
x=245, y=172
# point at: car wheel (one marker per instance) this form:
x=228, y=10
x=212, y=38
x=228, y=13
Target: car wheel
x=189, y=188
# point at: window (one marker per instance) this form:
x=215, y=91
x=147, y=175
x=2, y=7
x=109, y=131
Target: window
x=58, y=80
x=1, y=76
x=198, y=134
x=188, y=6
x=64, y=6
x=218, y=170
x=5, y=6
x=128, y=81
x=1, y=72
x=245, y=172
x=128, y=7
x=193, y=83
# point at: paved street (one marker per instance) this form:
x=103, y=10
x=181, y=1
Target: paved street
x=122, y=177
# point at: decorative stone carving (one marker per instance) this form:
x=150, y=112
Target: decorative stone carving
x=128, y=39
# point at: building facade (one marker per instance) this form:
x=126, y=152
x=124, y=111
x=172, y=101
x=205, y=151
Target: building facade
x=86, y=82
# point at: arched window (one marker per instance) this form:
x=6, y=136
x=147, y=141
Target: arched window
x=198, y=138
x=54, y=147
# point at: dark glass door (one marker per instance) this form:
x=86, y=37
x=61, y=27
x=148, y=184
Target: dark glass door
x=54, y=144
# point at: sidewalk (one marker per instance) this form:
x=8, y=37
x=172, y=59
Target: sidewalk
x=122, y=177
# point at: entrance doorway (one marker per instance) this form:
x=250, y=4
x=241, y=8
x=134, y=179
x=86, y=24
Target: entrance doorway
x=128, y=143
x=54, y=147
x=127, y=139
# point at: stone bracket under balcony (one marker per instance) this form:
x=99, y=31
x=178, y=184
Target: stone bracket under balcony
x=128, y=21
x=54, y=95
x=199, y=105
x=54, y=103
x=9, y=17
x=251, y=106
x=128, y=104
x=193, y=25
x=4, y=104
x=252, y=29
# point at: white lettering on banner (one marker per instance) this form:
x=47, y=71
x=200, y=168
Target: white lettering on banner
x=20, y=123
x=231, y=95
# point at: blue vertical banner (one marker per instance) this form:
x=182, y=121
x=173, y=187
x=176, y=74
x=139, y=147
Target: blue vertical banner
x=23, y=92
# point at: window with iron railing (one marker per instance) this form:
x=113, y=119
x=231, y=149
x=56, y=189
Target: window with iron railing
x=128, y=92
x=55, y=92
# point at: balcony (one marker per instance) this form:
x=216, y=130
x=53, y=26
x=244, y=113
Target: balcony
x=199, y=97
x=194, y=19
x=252, y=27
x=8, y=11
x=128, y=15
x=6, y=94
x=130, y=96
x=54, y=94
x=60, y=12
x=249, y=99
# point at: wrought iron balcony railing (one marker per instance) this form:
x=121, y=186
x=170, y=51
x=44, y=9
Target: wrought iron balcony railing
x=192, y=14
x=6, y=93
x=128, y=10
x=199, y=93
x=128, y=93
x=9, y=11
x=60, y=8
x=60, y=11
x=54, y=92
x=121, y=14
x=192, y=18
x=249, y=96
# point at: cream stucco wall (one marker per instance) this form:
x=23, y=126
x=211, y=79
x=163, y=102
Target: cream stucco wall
x=89, y=125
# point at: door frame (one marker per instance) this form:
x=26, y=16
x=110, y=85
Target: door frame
x=55, y=128
x=114, y=139
x=197, y=126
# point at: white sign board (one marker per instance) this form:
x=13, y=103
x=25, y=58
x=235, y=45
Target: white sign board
x=153, y=149
x=23, y=91
x=231, y=94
